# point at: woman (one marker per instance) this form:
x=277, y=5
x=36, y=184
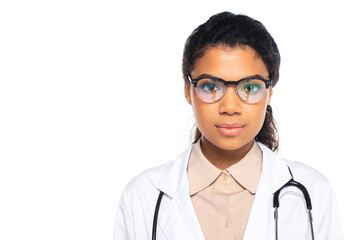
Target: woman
x=223, y=186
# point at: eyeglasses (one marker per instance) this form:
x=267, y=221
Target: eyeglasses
x=211, y=89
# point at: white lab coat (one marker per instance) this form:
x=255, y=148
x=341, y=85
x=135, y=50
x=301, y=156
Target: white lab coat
x=177, y=219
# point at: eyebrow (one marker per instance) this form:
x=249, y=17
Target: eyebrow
x=205, y=75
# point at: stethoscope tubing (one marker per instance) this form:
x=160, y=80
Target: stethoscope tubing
x=276, y=204
x=156, y=215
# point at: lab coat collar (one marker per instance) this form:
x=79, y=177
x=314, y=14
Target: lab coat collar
x=180, y=212
x=175, y=180
x=274, y=169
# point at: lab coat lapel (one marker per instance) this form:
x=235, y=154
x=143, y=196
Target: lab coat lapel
x=177, y=218
x=274, y=175
x=180, y=222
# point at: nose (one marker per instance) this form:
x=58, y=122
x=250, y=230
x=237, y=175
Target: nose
x=230, y=103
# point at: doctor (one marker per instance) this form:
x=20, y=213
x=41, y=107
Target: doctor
x=223, y=185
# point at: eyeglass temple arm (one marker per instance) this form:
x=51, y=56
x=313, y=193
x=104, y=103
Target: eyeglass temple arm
x=191, y=80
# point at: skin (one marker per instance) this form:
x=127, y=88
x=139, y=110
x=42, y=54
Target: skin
x=230, y=64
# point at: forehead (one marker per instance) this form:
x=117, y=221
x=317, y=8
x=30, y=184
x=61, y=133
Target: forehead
x=230, y=63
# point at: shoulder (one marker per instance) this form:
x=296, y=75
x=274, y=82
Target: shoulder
x=137, y=203
x=300, y=171
x=163, y=177
x=146, y=180
x=306, y=173
x=317, y=184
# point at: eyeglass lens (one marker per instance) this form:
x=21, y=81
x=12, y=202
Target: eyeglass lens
x=212, y=90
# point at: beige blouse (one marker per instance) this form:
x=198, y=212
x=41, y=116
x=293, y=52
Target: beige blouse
x=222, y=199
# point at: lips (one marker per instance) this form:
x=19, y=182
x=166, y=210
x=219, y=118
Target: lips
x=230, y=125
x=230, y=129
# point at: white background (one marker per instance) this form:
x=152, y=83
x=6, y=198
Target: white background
x=91, y=94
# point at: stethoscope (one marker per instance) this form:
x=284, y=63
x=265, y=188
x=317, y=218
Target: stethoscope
x=302, y=188
x=291, y=183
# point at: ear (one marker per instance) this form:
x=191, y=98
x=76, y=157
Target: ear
x=187, y=92
x=270, y=94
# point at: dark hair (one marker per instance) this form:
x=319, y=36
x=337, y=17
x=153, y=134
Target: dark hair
x=228, y=29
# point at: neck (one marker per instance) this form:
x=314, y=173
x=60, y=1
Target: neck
x=222, y=158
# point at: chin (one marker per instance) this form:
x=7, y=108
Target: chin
x=231, y=144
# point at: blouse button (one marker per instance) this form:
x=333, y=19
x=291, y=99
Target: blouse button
x=225, y=177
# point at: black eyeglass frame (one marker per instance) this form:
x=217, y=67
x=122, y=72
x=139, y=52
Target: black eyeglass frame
x=258, y=77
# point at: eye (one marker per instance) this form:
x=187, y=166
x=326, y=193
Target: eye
x=209, y=85
x=210, y=90
x=252, y=88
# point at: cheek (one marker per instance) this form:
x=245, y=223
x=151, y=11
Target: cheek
x=255, y=116
x=204, y=113
x=256, y=113
x=200, y=110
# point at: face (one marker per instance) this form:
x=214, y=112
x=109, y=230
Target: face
x=213, y=119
